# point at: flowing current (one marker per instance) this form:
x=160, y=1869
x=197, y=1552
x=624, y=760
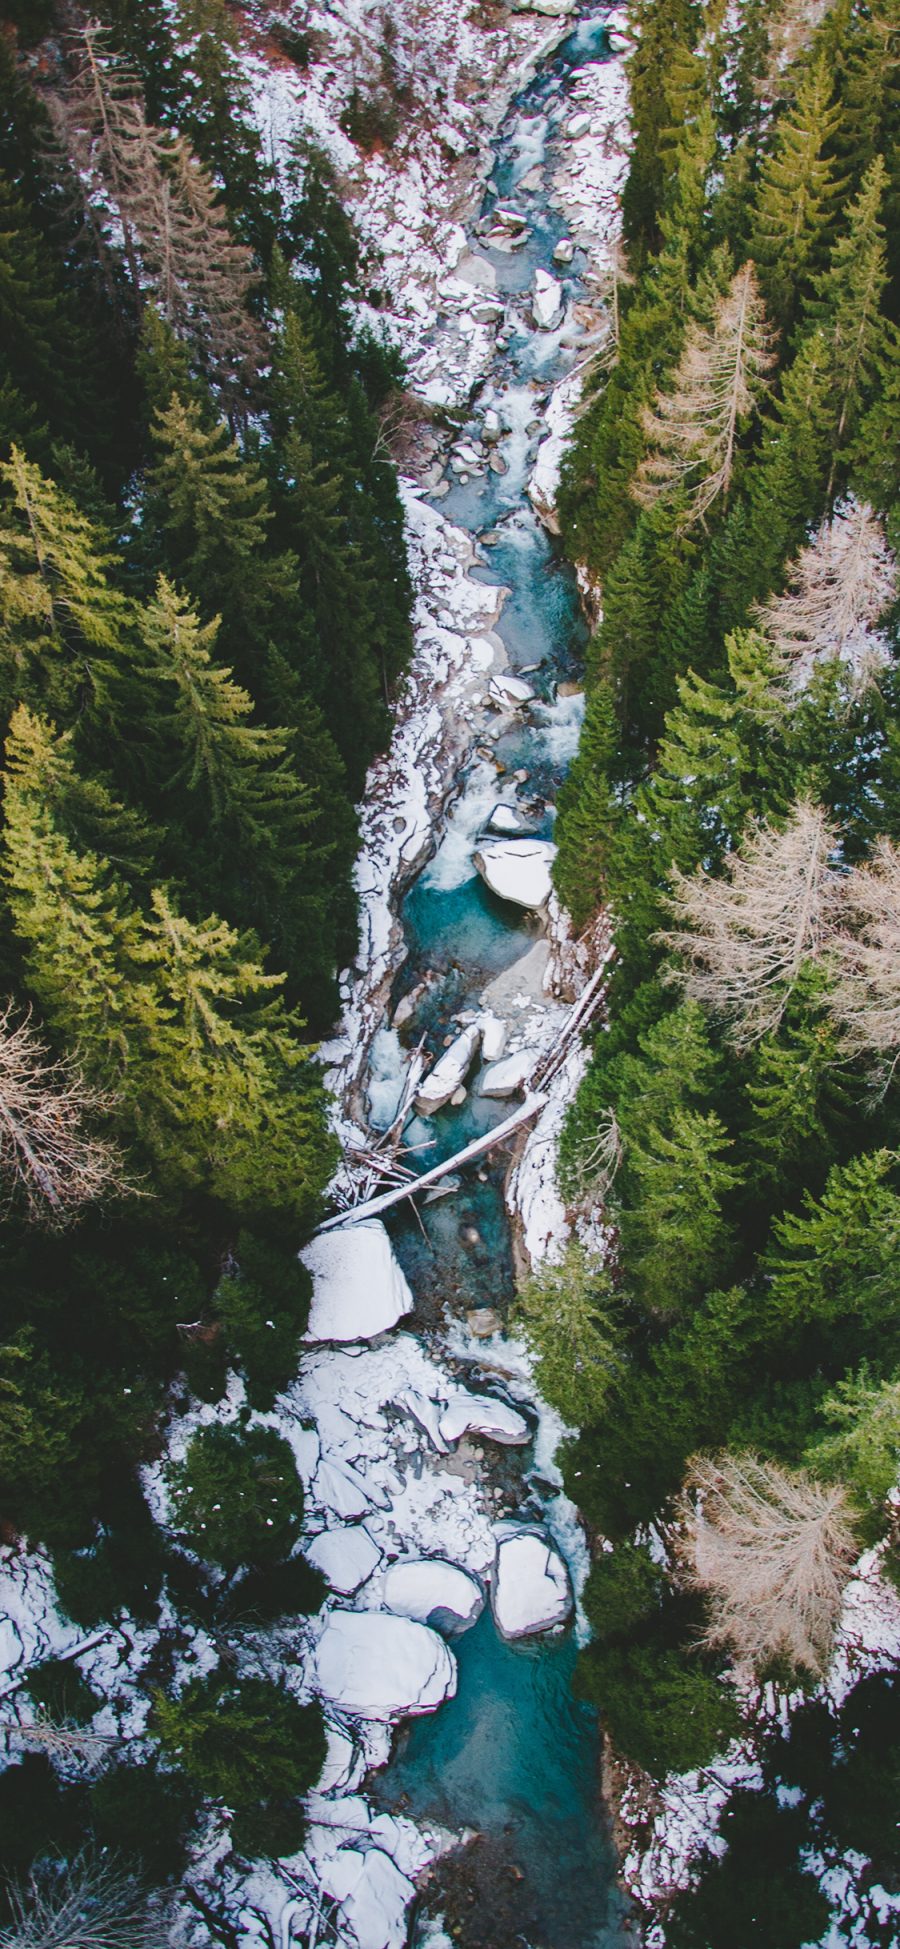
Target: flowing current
x=514, y=1757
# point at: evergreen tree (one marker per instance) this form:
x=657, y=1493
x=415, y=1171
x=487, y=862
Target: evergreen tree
x=849, y=298
x=798, y=189
x=674, y=1236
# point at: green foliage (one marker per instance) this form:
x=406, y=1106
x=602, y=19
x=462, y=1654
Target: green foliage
x=567, y=1314
x=236, y=1497
x=625, y=1587
x=61, y=1692
x=863, y=1445
x=144, y=1814
x=659, y=1706
x=250, y=1744
x=264, y=1307
x=759, y=1896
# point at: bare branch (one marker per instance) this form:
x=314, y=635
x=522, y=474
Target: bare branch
x=50, y=1161
x=692, y=431
x=89, y=1903
x=745, y=938
x=866, y=997
x=838, y=589
x=773, y=1550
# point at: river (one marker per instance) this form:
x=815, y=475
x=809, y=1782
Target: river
x=514, y=1756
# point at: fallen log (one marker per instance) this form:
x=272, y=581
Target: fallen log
x=356, y=1214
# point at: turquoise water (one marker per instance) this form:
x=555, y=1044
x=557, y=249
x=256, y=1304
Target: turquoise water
x=514, y=1756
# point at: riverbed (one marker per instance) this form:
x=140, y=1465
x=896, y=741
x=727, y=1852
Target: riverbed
x=513, y=1758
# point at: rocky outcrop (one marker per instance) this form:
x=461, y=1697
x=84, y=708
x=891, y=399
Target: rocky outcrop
x=358, y=1288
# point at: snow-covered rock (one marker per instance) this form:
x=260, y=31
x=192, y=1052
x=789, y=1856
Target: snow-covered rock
x=449, y=1072
x=493, y=1038
x=383, y=1667
x=546, y=302
x=346, y=1557
x=506, y=689
x=340, y=1490
x=506, y=1077
x=530, y=1589
x=433, y=1591
x=578, y=125
x=505, y=819
x=373, y=1895
x=518, y=870
x=358, y=1287
x=564, y=251
x=482, y=1414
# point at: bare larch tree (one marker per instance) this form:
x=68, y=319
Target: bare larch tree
x=837, y=590
x=865, y=954
x=692, y=431
x=772, y=1550
x=744, y=938
x=51, y=1162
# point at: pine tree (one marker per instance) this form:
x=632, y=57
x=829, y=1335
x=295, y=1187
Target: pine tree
x=746, y=937
x=838, y=590
x=849, y=298
x=798, y=190
x=661, y=28
x=835, y=1259
x=566, y=1314
x=863, y=1445
x=587, y=815
x=241, y=769
x=67, y=630
x=675, y=1238
x=692, y=432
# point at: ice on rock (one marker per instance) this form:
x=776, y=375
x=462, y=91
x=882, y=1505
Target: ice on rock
x=373, y=1896
x=358, y=1287
x=346, y=1557
x=518, y=870
x=530, y=1589
x=433, y=1591
x=426, y=1413
x=546, y=302
x=482, y=1414
x=382, y=1667
x=506, y=1077
x=449, y=1072
x=505, y=818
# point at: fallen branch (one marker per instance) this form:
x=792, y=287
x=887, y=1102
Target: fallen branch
x=491, y=1138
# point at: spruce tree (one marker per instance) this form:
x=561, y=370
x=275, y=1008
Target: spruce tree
x=849, y=298
x=798, y=190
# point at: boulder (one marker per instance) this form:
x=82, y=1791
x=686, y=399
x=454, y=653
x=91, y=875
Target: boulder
x=506, y=1077
x=578, y=125
x=433, y=1591
x=358, y=1288
x=383, y=1667
x=493, y=1037
x=518, y=870
x=530, y=1589
x=482, y=1414
x=546, y=302
x=564, y=251
x=484, y=1322
x=338, y=1488
x=507, y=689
x=373, y=1895
x=449, y=1072
x=346, y=1557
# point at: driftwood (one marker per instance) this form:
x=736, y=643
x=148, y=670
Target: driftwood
x=356, y=1214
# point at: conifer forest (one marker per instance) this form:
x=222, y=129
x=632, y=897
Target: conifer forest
x=449, y=608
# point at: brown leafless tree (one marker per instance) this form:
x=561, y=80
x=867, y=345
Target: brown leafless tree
x=146, y=184
x=51, y=1162
x=772, y=1550
x=692, y=430
x=837, y=591
x=865, y=954
x=744, y=938
x=90, y=1903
